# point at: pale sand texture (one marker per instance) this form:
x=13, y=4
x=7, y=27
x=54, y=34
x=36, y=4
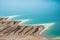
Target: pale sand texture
x=29, y=37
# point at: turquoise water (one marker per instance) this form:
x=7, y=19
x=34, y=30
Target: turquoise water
x=38, y=11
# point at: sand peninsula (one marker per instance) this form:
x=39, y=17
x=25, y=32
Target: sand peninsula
x=12, y=30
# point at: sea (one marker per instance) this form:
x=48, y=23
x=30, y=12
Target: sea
x=37, y=11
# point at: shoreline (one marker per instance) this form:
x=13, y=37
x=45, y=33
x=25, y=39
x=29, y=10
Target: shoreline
x=46, y=25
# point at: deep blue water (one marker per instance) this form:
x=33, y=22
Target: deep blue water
x=38, y=11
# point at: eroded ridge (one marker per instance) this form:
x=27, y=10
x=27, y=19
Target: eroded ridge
x=12, y=28
x=22, y=30
x=2, y=20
